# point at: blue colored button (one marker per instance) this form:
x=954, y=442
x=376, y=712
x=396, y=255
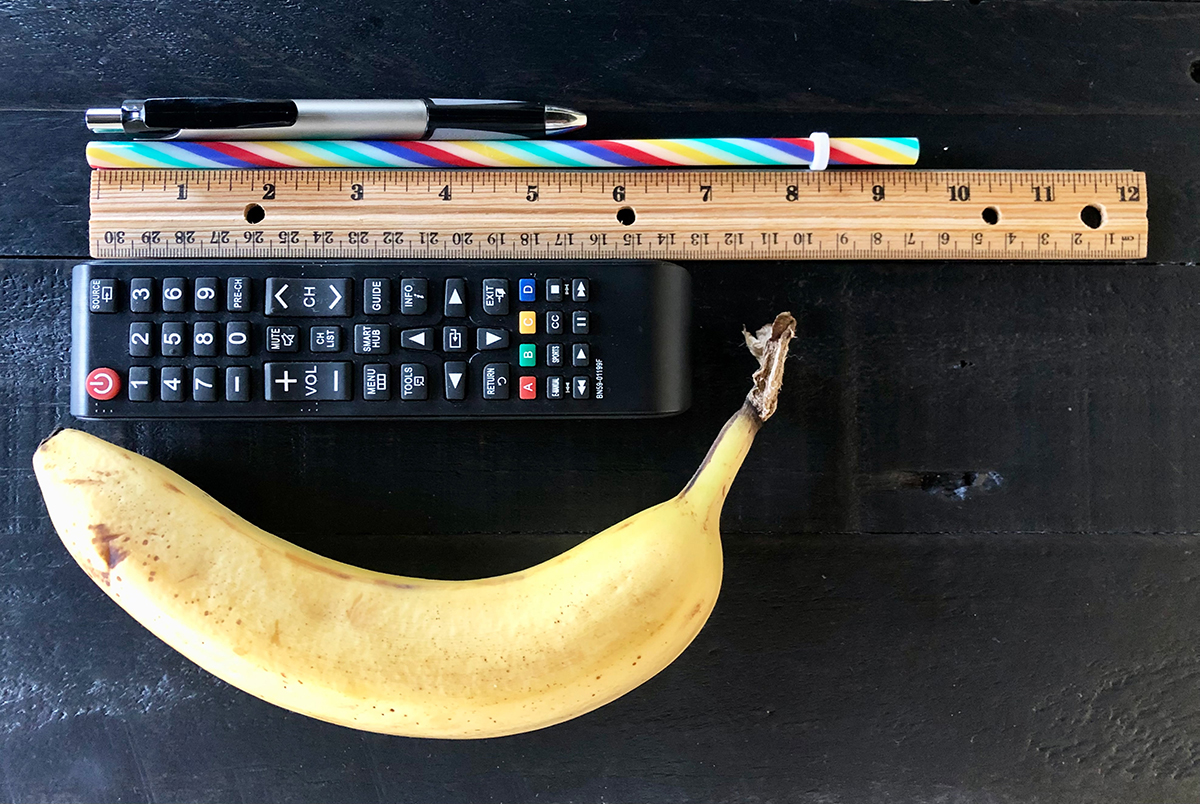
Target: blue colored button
x=527, y=290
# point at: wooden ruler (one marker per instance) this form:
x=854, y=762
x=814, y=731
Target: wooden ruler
x=677, y=214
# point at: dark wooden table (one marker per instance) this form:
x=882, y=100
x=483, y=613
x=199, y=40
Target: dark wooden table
x=961, y=561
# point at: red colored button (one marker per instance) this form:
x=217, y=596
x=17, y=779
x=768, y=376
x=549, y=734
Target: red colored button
x=103, y=384
x=529, y=387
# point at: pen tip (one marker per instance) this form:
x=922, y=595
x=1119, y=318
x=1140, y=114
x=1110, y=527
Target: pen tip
x=560, y=120
x=104, y=121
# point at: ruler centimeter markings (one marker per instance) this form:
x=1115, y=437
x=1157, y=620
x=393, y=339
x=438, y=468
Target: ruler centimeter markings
x=677, y=214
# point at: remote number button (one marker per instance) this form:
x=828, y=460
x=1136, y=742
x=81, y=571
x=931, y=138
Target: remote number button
x=174, y=292
x=102, y=296
x=554, y=387
x=414, y=296
x=283, y=339
x=237, y=384
x=580, y=322
x=171, y=384
x=456, y=380
x=205, y=294
x=141, y=295
x=495, y=296
x=204, y=339
x=413, y=381
x=103, y=384
x=172, y=339
x=237, y=339
x=377, y=296
x=139, y=384
x=527, y=320
x=140, y=333
x=204, y=384
x=307, y=298
x=528, y=387
x=495, y=381
x=376, y=387
x=237, y=294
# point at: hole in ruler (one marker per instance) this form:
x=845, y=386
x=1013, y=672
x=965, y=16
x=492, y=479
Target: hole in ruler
x=1092, y=216
x=254, y=213
x=1194, y=71
x=991, y=216
x=626, y=215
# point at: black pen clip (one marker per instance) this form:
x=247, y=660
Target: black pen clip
x=172, y=114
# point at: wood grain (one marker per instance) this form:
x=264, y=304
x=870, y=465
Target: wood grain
x=661, y=214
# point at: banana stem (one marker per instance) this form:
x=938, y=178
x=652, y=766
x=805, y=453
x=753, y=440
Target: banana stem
x=712, y=480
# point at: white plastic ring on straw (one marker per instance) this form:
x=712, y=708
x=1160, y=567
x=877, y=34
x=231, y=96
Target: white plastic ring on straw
x=820, y=143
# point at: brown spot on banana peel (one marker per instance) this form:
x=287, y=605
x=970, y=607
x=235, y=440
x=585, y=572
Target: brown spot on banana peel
x=172, y=487
x=102, y=540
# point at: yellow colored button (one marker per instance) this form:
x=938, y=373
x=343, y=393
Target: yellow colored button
x=528, y=322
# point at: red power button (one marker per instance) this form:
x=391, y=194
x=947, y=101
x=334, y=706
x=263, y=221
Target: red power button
x=103, y=384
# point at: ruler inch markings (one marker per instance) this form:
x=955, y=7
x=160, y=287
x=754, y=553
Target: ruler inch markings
x=751, y=213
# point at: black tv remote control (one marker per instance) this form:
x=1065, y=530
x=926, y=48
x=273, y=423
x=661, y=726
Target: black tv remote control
x=379, y=339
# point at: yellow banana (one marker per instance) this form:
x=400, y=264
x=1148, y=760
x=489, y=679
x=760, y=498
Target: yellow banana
x=384, y=653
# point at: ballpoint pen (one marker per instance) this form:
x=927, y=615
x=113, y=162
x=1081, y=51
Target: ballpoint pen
x=415, y=119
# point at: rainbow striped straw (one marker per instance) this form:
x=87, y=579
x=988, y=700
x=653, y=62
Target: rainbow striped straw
x=817, y=151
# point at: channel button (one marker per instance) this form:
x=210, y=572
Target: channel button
x=307, y=298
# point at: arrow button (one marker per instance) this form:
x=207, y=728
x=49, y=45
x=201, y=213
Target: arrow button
x=579, y=354
x=456, y=380
x=421, y=339
x=456, y=298
x=486, y=338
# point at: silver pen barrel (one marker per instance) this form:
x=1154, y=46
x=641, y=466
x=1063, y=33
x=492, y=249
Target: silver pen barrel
x=333, y=120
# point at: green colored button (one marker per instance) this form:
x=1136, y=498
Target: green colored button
x=528, y=354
